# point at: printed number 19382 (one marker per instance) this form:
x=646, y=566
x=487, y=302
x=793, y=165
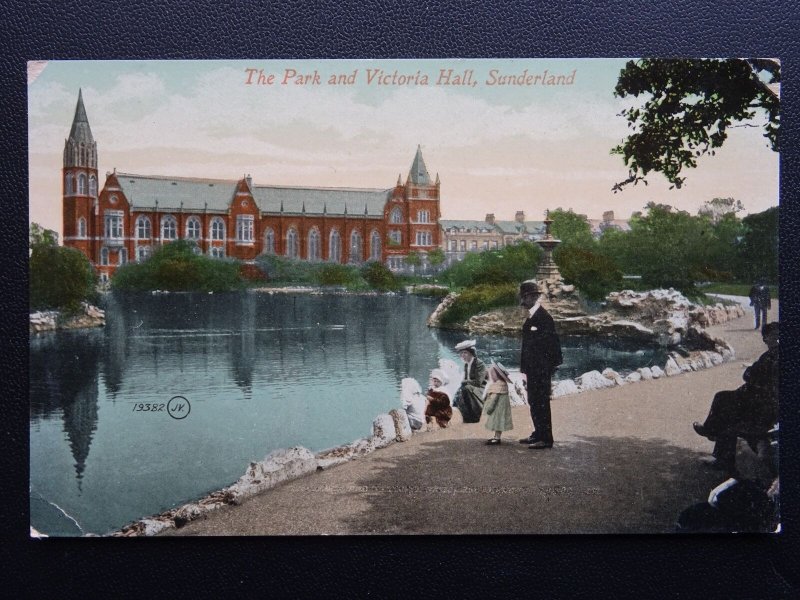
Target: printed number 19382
x=148, y=407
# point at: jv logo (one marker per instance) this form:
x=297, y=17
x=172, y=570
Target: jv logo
x=178, y=407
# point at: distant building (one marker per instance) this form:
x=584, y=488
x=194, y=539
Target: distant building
x=460, y=237
x=134, y=214
x=608, y=221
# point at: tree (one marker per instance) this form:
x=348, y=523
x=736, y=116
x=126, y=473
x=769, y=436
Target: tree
x=436, y=257
x=413, y=260
x=758, y=250
x=717, y=208
x=687, y=107
x=60, y=278
x=571, y=228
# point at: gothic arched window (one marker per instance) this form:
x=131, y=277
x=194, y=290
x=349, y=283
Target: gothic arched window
x=396, y=216
x=81, y=227
x=292, y=243
x=375, y=245
x=68, y=184
x=313, y=245
x=193, y=228
x=169, y=228
x=217, y=229
x=143, y=230
x=335, y=247
x=93, y=186
x=269, y=241
x=356, y=247
x=82, y=184
x=104, y=256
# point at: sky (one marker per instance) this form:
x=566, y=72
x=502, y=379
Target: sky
x=496, y=148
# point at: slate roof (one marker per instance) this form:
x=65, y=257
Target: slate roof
x=514, y=227
x=419, y=173
x=142, y=191
x=447, y=224
x=333, y=201
x=215, y=195
x=81, y=132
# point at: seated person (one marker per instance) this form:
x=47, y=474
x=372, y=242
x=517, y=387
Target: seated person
x=470, y=397
x=414, y=403
x=734, y=506
x=749, y=411
x=438, y=399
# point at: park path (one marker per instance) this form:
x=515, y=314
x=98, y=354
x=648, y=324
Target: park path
x=625, y=461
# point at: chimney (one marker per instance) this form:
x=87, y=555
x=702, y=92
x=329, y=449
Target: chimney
x=249, y=181
x=490, y=218
x=608, y=216
x=520, y=216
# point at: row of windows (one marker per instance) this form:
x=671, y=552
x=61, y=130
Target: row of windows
x=461, y=245
x=79, y=187
x=396, y=216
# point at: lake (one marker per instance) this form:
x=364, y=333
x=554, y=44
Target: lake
x=258, y=372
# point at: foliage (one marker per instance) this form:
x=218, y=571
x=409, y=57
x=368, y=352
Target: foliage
x=479, y=299
x=60, y=278
x=379, y=277
x=175, y=267
x=595, y=275
x=336, y=274
x=686, y=109
x=718, y=208
x=436, y=257
x=413, y=259
x=571, y=228
x=758, y=249
x=286, y=270
x=511, y=264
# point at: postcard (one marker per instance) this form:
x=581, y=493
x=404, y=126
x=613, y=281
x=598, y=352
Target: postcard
x=434, y=296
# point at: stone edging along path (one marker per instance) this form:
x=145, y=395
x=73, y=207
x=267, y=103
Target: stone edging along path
x=291, y=463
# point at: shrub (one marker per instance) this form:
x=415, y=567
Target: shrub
x=593, y=274
x=175, y=267
x=379, y=277
x=479, y=299
x=286, y=270
x=60, y=278
x=513, y=263
x=335, y=274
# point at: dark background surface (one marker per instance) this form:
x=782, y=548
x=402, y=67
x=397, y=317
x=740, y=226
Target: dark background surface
x=564, y=566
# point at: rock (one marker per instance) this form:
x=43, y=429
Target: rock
x=657, y=372
x=565, y=387
x=593, y=380
x=634, y=376
x=435, y=318
x=645, y=373
x=383, y=430
x=401, y=425
x=672, y=368
x=278, y=466
x=716, y=358
x=153, y=527
x=567, y=289
x=613, y=376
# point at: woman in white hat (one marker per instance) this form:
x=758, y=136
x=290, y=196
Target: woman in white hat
x=438, y=400
x=497, y=406
x=471, y=393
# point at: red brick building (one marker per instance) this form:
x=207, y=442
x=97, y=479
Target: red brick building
x=133, y=214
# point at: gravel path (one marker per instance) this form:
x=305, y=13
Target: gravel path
x=625, y=461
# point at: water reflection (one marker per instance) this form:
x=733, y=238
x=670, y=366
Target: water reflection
x=261, y=371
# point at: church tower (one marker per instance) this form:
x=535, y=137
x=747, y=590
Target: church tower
x=422, y=196
x=79, y=180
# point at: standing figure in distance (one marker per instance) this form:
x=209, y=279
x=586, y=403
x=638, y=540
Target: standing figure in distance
x=761, y=302
x=471, y=392
x=541, y=355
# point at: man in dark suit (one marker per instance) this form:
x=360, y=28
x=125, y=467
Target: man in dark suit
x=541, y=355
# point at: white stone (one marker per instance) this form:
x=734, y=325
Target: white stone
x=565, y=387
x=383, y=430
x=657, y=372
x=155, y=526
x=611, y=374
x=278, y=466
x=402, y=427
x=634, y=376
x=716, y=358
x=672, y=368
x=593, y=380
x=645, y=373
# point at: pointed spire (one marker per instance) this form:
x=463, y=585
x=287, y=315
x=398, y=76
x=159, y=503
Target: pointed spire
x=438, y=182
x=325, y=208
x=81, y=131
x=419, y=173
x=399, y=181
x=281, y=204
x=366, y=212
x=303, y=210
